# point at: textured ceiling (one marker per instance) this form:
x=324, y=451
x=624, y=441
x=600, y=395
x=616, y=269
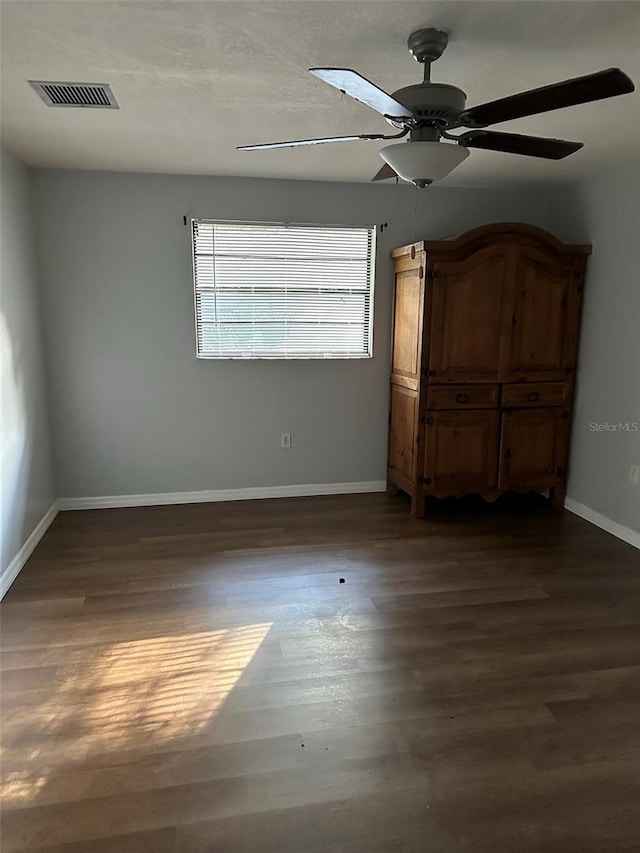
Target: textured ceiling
x=195, y=79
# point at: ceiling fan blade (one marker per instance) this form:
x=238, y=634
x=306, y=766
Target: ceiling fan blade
x=356, y=86
x=514, y=143
x=295, y=143
x=385, y=173
x=579, y=90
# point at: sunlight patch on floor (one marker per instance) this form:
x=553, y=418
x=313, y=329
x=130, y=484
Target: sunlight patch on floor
x=135, y=694
x=168, y=686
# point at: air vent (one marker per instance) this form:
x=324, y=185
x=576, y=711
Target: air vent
x=96, y=96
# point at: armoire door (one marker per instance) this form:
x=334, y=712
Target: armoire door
x=461, y=453
x=471, y=316
x=408, y=305
x=533, y=448
x=402, y=434
x=545, y=318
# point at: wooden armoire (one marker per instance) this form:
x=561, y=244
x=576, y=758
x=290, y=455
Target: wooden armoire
x=485, y=336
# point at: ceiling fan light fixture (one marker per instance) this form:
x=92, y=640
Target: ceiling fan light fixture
x=421, y=163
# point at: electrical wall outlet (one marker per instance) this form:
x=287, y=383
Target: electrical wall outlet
x=634, y=475
x=285, y=439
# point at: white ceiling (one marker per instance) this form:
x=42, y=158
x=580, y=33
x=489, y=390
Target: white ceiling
x=195, y=79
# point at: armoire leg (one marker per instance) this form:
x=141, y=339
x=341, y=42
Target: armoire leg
x=557, y=495
x=392, y=489
x=418, y=502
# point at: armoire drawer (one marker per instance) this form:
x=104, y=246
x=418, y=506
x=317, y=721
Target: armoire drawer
x=462, y=397
x=535, y=394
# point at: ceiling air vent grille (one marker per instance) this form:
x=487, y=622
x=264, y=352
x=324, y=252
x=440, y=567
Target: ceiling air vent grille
x=88, y=95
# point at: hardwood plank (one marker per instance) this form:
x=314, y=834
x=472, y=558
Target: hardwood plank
x=156, y=841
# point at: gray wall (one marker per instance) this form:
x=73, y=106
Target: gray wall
x=133, y=411
x=27, y=485
x=605, y=211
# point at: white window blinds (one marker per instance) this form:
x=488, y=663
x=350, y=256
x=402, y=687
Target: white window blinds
x=283, y=291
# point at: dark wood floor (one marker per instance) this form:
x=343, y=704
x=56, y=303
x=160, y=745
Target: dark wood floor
x=197, y=678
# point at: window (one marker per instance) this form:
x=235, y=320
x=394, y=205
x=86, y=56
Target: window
x=283, y=291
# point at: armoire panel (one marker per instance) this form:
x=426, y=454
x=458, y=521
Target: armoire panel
x=461, y=451
x=469, y=325
x=541, y=318
x=402, y=426
x=407, y=337
x=533, y=450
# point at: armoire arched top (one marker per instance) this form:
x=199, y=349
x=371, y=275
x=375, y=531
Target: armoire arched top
x=496, y=232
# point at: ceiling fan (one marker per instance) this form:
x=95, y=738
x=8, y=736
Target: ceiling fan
x=427, y=113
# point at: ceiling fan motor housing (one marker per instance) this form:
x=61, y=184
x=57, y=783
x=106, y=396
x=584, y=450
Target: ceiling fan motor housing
x=433, y=103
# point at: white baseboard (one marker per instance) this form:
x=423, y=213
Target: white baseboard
x=253, y=493
x=619, y=530
x=15, y=566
